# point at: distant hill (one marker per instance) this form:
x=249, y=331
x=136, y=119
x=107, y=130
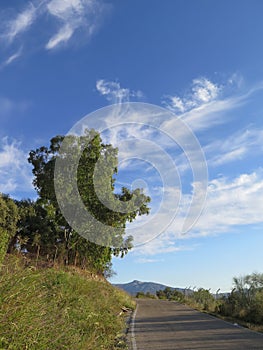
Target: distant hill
x=137, y=286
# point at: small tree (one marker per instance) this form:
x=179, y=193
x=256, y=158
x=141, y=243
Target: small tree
x=204, y=298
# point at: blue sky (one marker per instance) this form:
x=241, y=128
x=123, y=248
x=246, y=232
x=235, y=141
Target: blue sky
x=202, y=61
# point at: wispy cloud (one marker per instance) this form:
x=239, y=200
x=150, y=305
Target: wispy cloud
x=113, y=91
x=12, y=58
x=202, y=92
x=15, y=172
x=207, y=105
x=61, y=19
x=21, y=23
x=66, y=9
x=73, y=15
x=202, y=107
x=231, y=204
x=63, y=35
x=235, y=147
x=163, y=244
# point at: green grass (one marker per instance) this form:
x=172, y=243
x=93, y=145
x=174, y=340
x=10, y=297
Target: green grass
x=57, y=309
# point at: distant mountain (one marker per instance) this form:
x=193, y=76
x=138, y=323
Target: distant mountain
x=137, y=286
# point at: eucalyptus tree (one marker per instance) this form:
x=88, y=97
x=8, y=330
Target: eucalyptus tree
x=89, y=151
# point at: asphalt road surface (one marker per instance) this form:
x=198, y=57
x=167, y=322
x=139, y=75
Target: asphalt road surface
x=164, y=325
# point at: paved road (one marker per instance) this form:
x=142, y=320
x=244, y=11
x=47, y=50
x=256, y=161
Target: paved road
x=164, y=325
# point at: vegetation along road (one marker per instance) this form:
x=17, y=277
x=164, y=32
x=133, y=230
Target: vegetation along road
x=163, y=325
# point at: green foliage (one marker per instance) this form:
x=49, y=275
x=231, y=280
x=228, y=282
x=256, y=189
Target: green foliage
x=8, y=220
x=142, y=295
x=245, y=302
x=170, y=294
x=204, y=299
x=56, y=309
x=37, y=224
x=57, y=239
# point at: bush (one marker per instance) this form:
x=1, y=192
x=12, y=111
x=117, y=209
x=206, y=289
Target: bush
x=141, y=295
x=8, y=221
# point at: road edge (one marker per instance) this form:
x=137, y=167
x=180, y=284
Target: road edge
x=131, y=340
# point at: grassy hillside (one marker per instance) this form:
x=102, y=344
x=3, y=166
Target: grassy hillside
x=57, y=309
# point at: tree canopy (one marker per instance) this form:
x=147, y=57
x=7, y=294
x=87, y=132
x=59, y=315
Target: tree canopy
x=49, y=232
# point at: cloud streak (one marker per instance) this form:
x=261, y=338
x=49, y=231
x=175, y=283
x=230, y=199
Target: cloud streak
x=202, y=92
x=73, y=15
x=21, y=23
x=63, y=35
x=114, y=93
x=235, y=147
x=62, y=20
x=231, y=203
x=203, y=107
x=12, y=58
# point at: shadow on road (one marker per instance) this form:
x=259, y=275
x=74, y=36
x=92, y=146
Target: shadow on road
x=165, y=325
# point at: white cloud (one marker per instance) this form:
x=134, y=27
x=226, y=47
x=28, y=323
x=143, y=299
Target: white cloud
x=163, y=244
x=12, y=58
x=68, y=16
x=202, y=92
x=15, y=172
x=206, y=107
x=207, y=103
x=210, y=114
x=73, y=15
x=66, y=9
x=235, y=147
x=229, y=156
x=21, y=22
x=176, y=103
x=113, y=91
x=63, y=35
x=230, y=203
